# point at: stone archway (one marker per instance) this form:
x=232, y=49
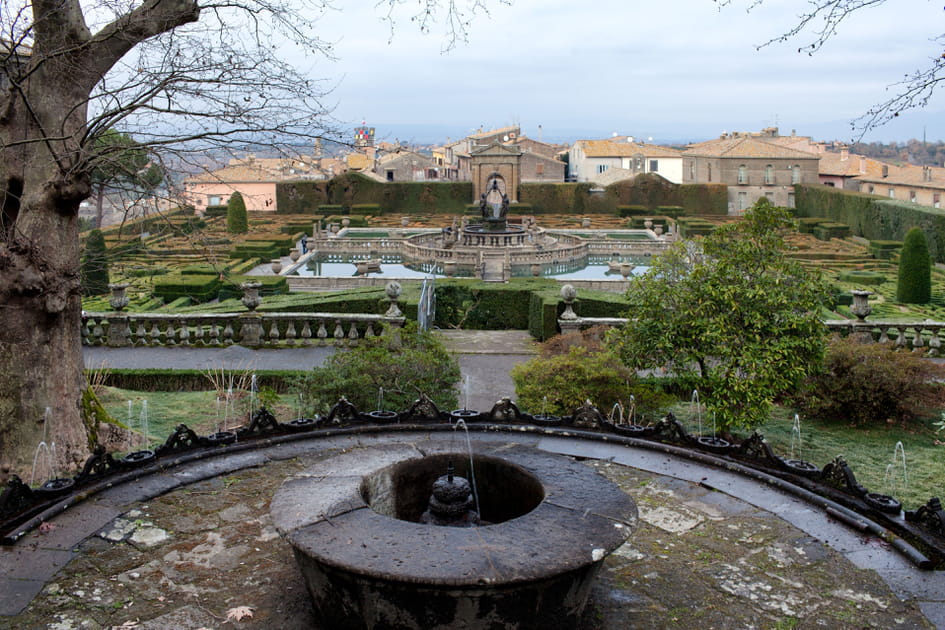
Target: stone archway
x=496, y=162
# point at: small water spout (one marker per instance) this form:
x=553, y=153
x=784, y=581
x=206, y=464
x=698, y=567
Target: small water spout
x=380, y=399
x=896, y=477
x=696, y=407
x=472, y=471
x=632, y=416
x=45, y=453
x=253, y=393
x=466, y=392
x=796, y=437
x=144, y=422
x=544, y=406
x=616, y=410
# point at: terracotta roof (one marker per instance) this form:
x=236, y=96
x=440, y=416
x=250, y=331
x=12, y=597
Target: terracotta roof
x=251, y=169
x=745, y=147
x=484, y=134
x=909, y=175
x=849, y=165
x=606, y=148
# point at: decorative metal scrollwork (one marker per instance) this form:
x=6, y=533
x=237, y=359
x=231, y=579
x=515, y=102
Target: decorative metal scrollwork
x=182, y=438
x=261, y=421
x=99, y=464
x=422, y=410
x=757, y=449
x=839, y=474
x=929, y=517
x=343, y=412
x=669, y=429
x=15, y=498
x=587, y=415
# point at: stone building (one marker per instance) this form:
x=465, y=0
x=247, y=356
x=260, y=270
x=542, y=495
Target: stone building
x=751, y=168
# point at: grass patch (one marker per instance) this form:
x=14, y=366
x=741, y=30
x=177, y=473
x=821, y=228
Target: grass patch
x=868, y=451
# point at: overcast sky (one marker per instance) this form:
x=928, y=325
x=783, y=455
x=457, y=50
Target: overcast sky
x=674, y=71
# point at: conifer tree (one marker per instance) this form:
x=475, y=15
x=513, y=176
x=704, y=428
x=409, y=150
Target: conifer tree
x=236, y=220
x=915, y=269
x=95, y=265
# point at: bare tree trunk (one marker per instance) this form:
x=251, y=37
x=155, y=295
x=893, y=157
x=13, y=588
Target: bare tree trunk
x=44, y=175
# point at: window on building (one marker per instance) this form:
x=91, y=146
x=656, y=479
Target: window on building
x=796, y=174
x=709, y=172
x=654, y=166
x=769, y=174
x=742, y=174
x=742, y=201
x=692, y=171
x=871, y=189
x=892, y=193
x=390, y=176
x=790, y=200
x=912, y=196
x=936, y=200
x=214, y=200
x=539, y=169
x=601, y=168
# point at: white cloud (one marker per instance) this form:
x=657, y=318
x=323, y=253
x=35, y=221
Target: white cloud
x=682, y=65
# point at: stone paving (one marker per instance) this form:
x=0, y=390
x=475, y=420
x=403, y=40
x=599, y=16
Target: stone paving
x=194, y=547
x=191, y=546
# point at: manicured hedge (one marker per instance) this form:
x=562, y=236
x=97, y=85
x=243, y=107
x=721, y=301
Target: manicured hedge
x=827, y=231
x=367, y=209
x=215, y=211
x=198, y=288
x=271, y=285
x=353, y=189
x=884, y=249
x=859, y=276
x=873, y=217
x=164, y=380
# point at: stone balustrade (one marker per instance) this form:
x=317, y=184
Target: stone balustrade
x=251, y=329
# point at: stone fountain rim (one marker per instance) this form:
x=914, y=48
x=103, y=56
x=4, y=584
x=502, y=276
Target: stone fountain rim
x=562, y=534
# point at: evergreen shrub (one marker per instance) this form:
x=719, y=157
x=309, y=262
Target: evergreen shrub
x=94, y=265
x=915, y=270
x=237, y=221
x=420, y=364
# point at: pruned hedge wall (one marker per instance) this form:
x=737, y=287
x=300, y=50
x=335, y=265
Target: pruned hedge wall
x=352, y=190
x=353, y=193
x=164, y=380
x=873, y=217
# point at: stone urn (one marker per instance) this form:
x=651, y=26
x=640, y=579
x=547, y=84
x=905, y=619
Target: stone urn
x=585, y=222
x=449, y=268
x=276, y=266
x=119, y=298
x=626, y=269
x=658, y=230
x=310, y=245
x=345, y=222
x=648, y=224
x=536, y=270
x=405, y=221
x=861, y=305
x=295, y=254
x=334, y=228
x=251, y=297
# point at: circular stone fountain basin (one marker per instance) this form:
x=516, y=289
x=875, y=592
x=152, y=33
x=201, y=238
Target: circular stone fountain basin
x=366, y=563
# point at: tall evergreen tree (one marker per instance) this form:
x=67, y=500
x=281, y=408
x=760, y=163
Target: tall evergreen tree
x=236, y=220
x=95, y=265
x=915, y=269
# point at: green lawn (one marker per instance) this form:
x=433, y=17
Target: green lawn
x=868, y=451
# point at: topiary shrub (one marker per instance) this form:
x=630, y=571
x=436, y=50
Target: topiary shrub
x=94, y=268
x=915, y=269
x=870, y=383
x=420, y=364
x=237, y=222
x=576, y=367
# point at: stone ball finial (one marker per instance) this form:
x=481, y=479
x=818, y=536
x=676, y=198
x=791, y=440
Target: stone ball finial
x=393, y=290
x=568, y=293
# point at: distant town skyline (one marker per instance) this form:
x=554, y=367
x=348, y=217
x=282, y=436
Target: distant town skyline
x=678, y=72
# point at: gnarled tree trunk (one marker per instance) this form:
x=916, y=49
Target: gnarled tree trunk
x=44, y=175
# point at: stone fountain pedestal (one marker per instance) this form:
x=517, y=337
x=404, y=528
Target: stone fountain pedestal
x=366, y=567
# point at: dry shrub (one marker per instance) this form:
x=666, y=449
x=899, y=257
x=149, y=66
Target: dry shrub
x=869, y=383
